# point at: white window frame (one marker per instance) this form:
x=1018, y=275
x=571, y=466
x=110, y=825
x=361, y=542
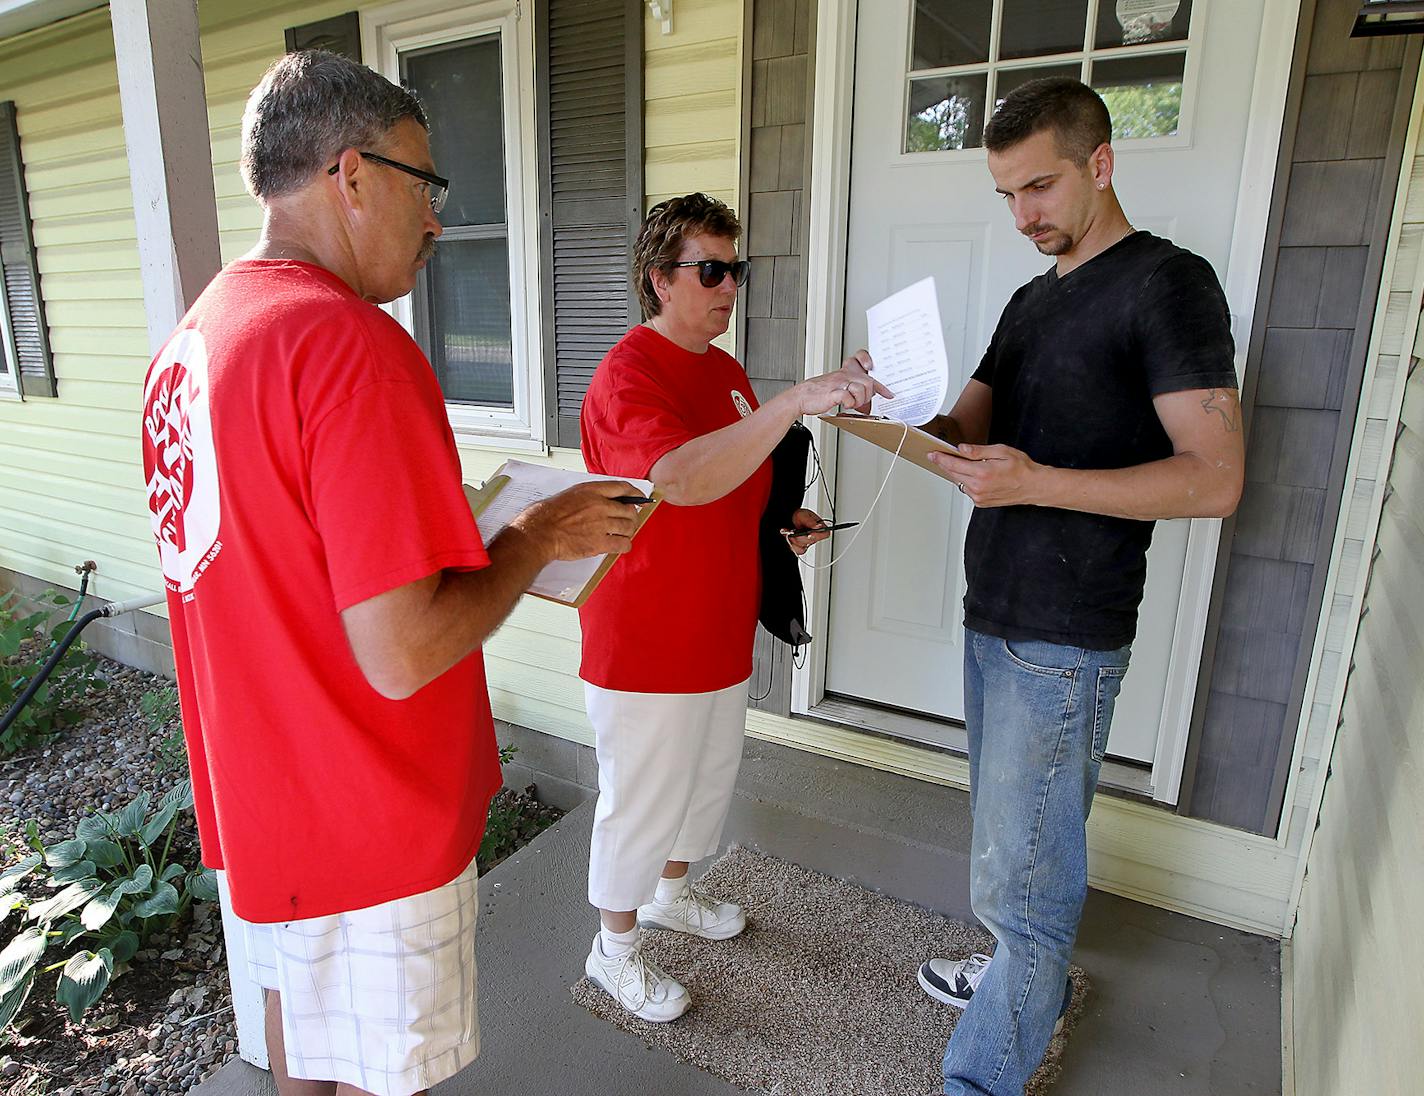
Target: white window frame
x=1084, y=58
x=388, y=31
x=10, y=378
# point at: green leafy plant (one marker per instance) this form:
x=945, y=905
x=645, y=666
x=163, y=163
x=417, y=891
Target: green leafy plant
x=115, y=887
x=160, y=709
x=26, y=640
x=515, y=818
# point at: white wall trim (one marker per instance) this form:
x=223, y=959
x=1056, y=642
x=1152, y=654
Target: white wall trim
x=1229, y=877
x=388, y=30
x=22, y=16
x=1326, y=683
x=159, y=60
x=9, y=376
x=1287, y=1019
x=248, y=1003
x=829, y=218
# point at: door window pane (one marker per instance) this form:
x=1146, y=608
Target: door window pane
x=1137, y=22
x=470, y=341
x=1006, y=80
x=946, y=112
x=1036, y=28
x=1142, y=88
x=1143, y=94
x=951, y=32
x=460, y=88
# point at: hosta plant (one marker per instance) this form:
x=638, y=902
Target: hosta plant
x=113, y=886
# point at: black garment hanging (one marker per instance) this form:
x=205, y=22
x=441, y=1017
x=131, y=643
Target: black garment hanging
x=783, y=612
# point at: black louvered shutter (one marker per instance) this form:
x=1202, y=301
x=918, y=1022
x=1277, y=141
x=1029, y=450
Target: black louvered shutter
x=29, y=336
x=590, y=79
x=339, y=34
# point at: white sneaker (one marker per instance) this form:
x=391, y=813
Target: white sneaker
x=695, y=913
x=954, y=983
x=637, y=983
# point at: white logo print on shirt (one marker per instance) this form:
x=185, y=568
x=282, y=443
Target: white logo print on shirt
x=739, y=401
x=182, y=467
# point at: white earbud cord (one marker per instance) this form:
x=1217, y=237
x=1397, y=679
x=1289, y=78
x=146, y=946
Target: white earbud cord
x=865, y=522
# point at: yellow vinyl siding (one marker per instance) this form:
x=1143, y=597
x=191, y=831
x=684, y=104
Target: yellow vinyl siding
x=71, y=481
x=692, y=101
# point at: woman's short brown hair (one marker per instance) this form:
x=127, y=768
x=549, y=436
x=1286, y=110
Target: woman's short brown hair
x=660, y=239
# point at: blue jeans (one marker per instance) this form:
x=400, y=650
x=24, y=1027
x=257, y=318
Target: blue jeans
x=1038, y=715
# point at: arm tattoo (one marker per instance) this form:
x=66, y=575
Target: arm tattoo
x=1220, y=402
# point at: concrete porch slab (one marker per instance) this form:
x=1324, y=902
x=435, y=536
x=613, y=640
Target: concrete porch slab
x=1180, y=1007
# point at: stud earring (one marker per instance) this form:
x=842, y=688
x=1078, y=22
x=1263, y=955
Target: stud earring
x=1102, y=186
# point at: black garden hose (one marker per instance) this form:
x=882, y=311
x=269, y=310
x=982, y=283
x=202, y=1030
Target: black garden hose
x=112, y=609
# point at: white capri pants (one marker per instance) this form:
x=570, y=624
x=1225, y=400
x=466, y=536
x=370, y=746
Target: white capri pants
x=667, y=763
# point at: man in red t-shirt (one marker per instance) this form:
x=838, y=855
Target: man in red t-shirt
x=329, y=593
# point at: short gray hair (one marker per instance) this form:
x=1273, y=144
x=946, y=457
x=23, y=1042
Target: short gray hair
x=309, y=108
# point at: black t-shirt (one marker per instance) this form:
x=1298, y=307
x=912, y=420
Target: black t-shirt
x=1074, y=365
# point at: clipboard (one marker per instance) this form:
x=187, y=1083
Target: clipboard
x=564, y=582
x=888, y=434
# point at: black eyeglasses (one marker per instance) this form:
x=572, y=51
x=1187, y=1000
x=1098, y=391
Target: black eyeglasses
x=710, y=272
x=439, y=186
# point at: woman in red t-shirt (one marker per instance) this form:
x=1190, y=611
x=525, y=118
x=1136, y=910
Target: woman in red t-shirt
x=667, y=636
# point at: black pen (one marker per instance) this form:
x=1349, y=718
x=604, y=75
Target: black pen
x=819, y=529
x=631, y=500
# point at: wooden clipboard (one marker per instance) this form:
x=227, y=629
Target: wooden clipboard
x=890, y=435
x=564, y=582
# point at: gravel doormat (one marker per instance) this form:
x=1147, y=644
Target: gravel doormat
x=818, y=997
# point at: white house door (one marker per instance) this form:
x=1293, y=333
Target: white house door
x=1178, y=78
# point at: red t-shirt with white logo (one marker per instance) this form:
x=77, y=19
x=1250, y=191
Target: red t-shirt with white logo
x=299, y=461
x=678, y=613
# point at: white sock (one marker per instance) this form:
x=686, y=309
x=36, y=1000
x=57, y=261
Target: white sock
x=670, y=889
x=615, y=944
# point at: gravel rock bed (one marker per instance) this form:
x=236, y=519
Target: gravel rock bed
x=166, y=1023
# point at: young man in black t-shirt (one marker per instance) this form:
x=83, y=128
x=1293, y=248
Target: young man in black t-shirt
x=1107, y=399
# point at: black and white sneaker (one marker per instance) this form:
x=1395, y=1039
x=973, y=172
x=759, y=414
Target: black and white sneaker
x=953, y=982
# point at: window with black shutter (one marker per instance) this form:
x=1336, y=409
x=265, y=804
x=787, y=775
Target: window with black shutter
x=590, y=80
x=559, y=233
x=26, y=364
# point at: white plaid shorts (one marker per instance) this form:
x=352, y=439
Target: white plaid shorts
x=381, y=998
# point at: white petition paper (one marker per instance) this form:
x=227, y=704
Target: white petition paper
x=907, y=345
x=528, y=483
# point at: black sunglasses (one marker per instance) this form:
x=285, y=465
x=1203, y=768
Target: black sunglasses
x=438, y=184
x=710, y=272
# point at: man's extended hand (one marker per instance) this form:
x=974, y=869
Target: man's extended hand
x=580, y=522
x=991, y=475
